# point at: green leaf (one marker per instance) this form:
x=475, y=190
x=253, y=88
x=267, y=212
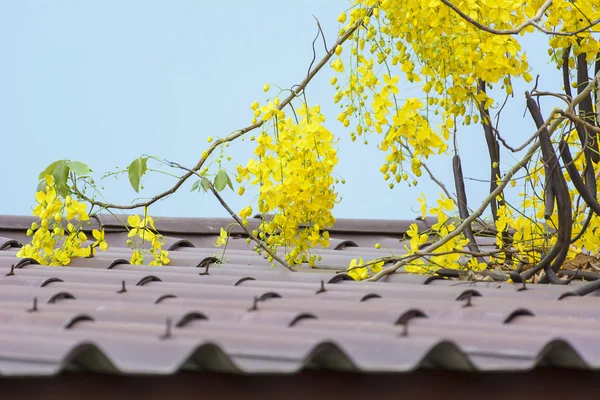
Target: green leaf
x=229, y=183
x=79, y=168
x=50, y=169
x=60, y=171
x=195, y=185
x=221, y=180
x=61, y=174
x=41, y=186
x=136, y=170
x=144, y=165
x=205, y=184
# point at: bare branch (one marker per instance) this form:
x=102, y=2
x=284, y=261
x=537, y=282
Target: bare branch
x=235, y=217
x=578, y=121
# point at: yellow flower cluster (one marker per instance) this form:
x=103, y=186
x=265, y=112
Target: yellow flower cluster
x=144, y=229
x=568, y=16
x=359, y=270
x=424, y=40
x=293, y=169
x=57, y=237
x=431, y=46
x=445, y=256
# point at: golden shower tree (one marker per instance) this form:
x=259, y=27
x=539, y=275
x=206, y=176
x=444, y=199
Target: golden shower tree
x=465, y=57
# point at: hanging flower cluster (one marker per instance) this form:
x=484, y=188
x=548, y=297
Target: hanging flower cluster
x=568, y=16
x=457, y=66
x=293, y=170
x=359, y=270
x=57, y=236
x=430, y=45
x=142, y=231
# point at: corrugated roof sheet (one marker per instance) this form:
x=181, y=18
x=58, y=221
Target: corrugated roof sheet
x=245, y=316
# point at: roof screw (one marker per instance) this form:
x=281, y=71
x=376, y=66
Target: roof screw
x=123, y=289
x=404, y=332
x=254, y=304
x=34, y=308
x=167, y=334
x=12, y=270
x=322, y=289
x=468, y=301
x=523, y=287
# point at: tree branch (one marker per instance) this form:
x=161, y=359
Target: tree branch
x=552, y=124
x=295, y=91
x=467, y=222
x=533, y=21
x=235, y=217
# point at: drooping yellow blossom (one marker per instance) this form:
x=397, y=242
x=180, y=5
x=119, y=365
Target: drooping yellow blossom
x=294, y=174
x=100, y=242
x=50, y=243
x=222, y=239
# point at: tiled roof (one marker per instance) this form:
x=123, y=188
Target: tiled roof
x=102, y=314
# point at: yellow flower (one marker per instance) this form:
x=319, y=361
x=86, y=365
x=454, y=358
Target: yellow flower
x=266, y=87
x=139, y=228
x=246, y=212
x=100, y=241
x=160, y=258
x=77, y=210
x=359, y=274
x=134, y=221
x=222, y=239
x=46, y=197
x=337, y=65
x=377, y=267
x=355, y=270
x=60, y=257
x=137, y=258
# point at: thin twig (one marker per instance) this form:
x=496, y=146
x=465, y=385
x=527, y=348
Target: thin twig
x=235, y=217
x=578, y=121
x=430, y=173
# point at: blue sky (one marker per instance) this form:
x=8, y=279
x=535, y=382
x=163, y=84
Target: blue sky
x=105, y=82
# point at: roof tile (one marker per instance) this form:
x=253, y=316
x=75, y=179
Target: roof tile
x=244, y=315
